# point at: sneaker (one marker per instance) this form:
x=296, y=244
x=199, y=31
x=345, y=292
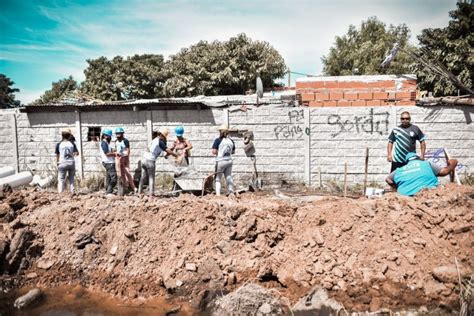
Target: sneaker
x=135, y=190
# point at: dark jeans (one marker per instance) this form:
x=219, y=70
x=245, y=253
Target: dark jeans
x=111, y=178
x=396, y=165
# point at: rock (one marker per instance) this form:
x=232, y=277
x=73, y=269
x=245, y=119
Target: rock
x=318, y=237
x=384, y=268
x=223, y=246
x=232, y=278
x=346, y=226
x=462, y=228
x=28, y=298
x=191, y=267
x=448, y=274
x=317, y=302
x=114, y=249
x=337, y=272
x=44, y=263
x=419, y=241
x=410, y=255
x=31, y=275
x=265, y=308
x=179, y=283
x=336, y=231
x=433, y=289
x=248, y=299
x=318, y=268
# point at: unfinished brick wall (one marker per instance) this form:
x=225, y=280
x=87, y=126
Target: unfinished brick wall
x=344, y=91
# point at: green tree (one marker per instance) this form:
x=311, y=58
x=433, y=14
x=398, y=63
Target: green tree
x=58, y=90
x=7, y=93
x=135, y=77
x=222, y=68
x=453, y=47
x=362, y=49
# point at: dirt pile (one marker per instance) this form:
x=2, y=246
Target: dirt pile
x=392, y=252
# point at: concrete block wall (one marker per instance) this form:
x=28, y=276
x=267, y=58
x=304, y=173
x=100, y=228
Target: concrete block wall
x=341, y=135
x=278, y=134
x=292, y=144
x=38, y=134
x=200, y=127
x=6, y=140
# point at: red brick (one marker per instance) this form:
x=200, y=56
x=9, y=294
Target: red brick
x=374, y=102
x=388, y=102
x=321, y=96
x=409, y=84
x=365, y=95
x=317, y=84
x=336, y=95
x=358, y=103
x=315, y=103
x=343, y=103
x=307, y=97
x=387, y=84
x=380, y=95
x=403, y=95
x=350, y=96
x=329, y=103
x=303, y=85
x=406, y=102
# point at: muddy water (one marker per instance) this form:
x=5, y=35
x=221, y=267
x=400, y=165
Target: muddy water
x=78, y=301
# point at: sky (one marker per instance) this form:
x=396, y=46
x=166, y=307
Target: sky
x=45, y=41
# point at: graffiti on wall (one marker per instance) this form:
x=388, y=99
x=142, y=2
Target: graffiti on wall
x=294, y=129
x=437, y=157
x=372, y=123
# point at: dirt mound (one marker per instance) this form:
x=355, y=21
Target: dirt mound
x=392, y=252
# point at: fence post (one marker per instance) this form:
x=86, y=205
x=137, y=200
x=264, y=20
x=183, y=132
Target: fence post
x=79, y=144
x=307, y=145
x=15, y=142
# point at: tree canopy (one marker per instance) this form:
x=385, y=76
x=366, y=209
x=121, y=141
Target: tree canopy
x=58, y=90
x=222, y=68
x=7, y=93
x=135, y=77
x=453, y=47
x=361, y=50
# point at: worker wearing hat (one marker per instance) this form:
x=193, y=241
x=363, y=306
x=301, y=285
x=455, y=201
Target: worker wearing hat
x=108, y=160
x=181, y=146
x=123, y=154
x=65, y=152
x=157, y=148
x=418, y=174
x=223, y=148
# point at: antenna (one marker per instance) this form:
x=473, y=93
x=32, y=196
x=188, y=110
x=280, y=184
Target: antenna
x=259, y=88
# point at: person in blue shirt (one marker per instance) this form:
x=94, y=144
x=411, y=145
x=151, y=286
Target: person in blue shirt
x=418, y=174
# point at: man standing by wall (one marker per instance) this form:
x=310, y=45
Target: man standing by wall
x=402, y=140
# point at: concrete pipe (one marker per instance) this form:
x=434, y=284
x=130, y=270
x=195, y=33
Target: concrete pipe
x=17, y=180
x=6, y=171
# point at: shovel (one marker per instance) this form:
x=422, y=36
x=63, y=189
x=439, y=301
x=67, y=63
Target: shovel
x=256, y=183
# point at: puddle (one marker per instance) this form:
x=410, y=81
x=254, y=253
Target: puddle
x=78, y=301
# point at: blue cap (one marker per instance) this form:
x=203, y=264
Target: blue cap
x=179, y=131
x=119, y=130
x=107, y=132
x=411, y=156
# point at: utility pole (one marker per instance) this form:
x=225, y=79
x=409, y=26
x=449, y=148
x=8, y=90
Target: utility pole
x=289, y=77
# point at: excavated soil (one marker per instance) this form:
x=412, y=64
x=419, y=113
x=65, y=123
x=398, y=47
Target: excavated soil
x=393, y=252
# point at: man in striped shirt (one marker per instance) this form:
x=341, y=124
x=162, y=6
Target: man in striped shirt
x=402, y=140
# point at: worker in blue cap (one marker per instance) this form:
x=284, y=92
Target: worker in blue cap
x=418, y=174
x=181, y=146
x=108, y=155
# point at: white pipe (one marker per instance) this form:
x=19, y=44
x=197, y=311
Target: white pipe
x=16, y=180
x=6, y=171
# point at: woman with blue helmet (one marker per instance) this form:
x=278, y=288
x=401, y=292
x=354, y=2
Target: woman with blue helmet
x=181, y=146
x=123, y=153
